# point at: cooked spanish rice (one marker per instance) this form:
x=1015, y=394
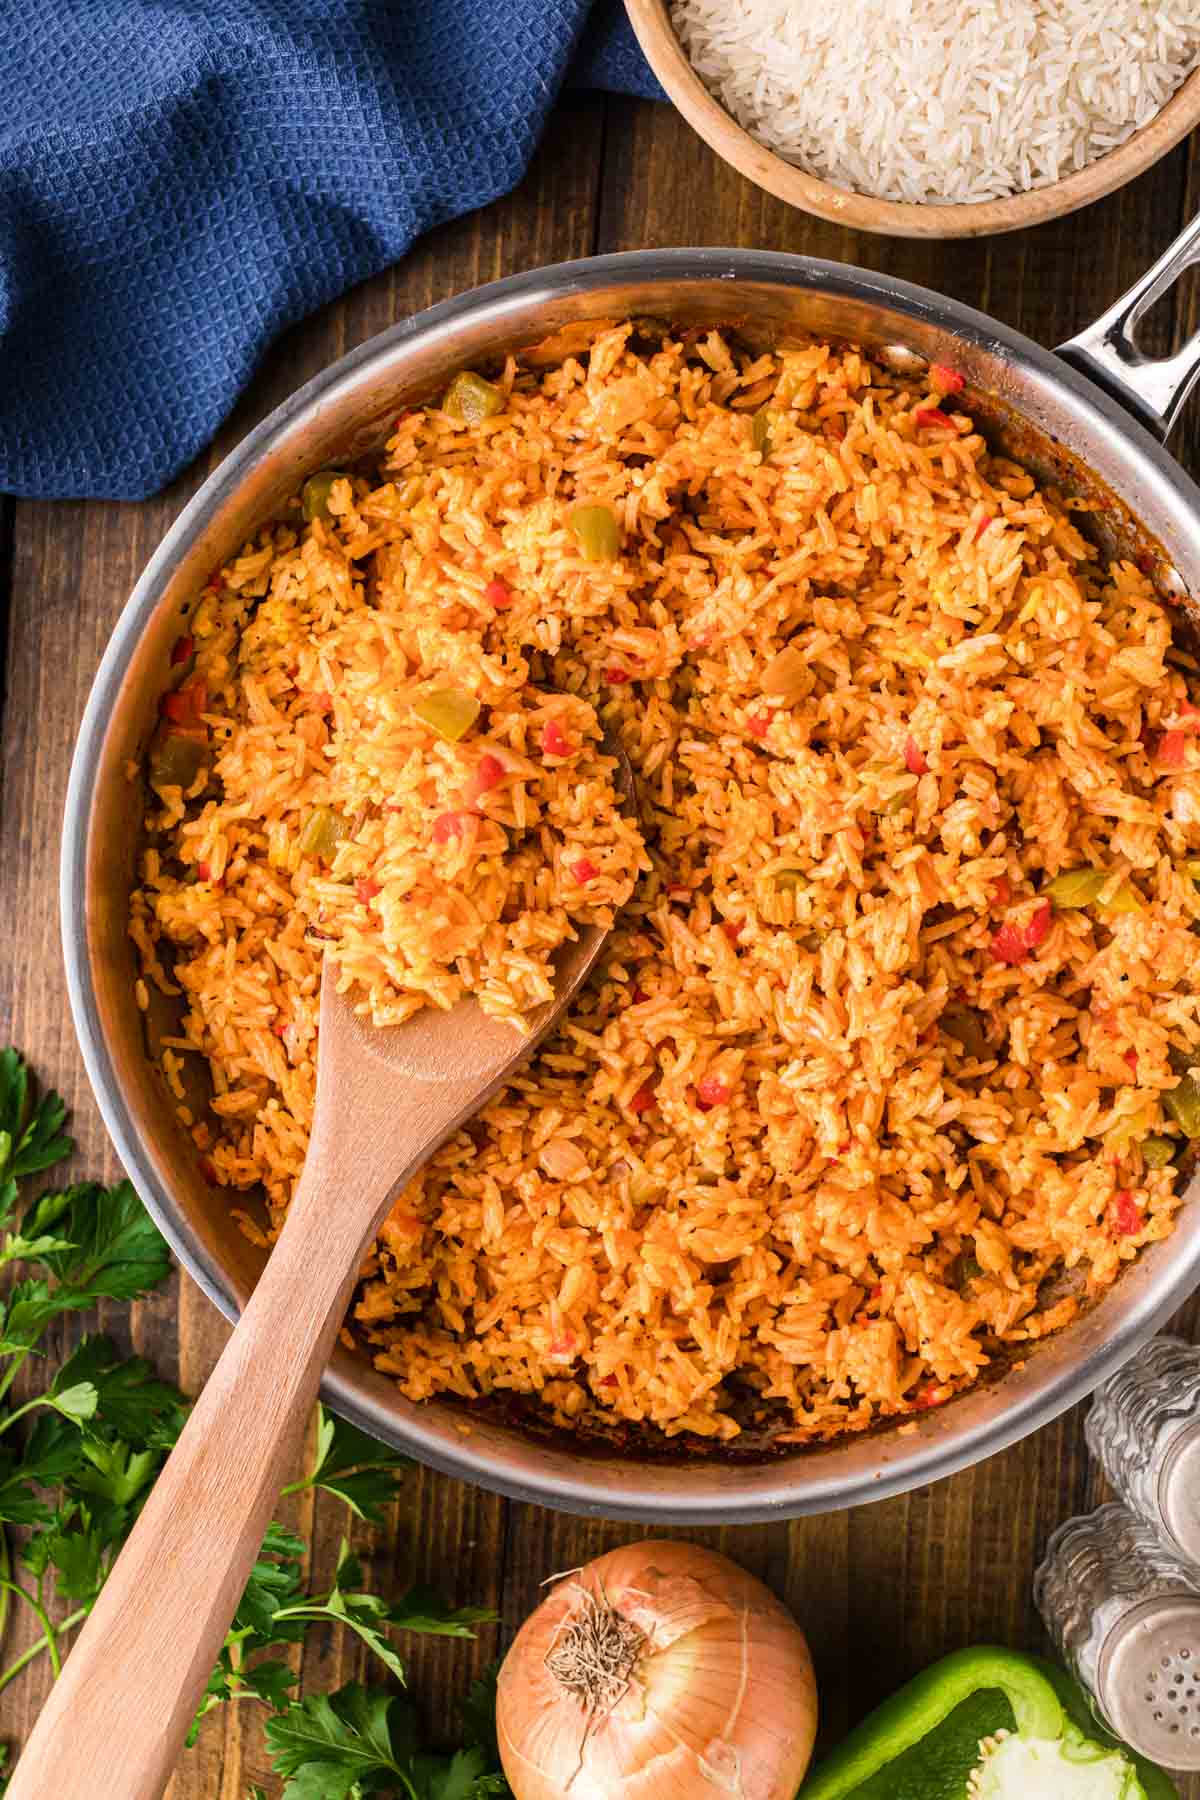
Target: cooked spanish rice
x=858, y=1103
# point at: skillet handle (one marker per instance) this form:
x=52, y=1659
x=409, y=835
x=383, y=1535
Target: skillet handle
x=1153, y=388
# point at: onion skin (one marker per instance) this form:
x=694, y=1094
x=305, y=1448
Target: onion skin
x=721, y=1701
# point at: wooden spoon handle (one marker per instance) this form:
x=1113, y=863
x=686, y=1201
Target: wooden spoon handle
x=116, y=1719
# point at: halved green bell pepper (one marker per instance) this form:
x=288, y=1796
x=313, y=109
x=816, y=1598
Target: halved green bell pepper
x=925, y=1742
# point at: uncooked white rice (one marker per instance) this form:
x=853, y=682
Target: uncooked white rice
x=931, y=100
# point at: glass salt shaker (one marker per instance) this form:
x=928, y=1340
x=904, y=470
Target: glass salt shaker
x=1124, y=1613
x=1144, y=1431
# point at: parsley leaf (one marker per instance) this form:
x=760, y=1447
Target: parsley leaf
x=78, y=1459
x=274, y=1584
x=31, y=1136
x=117, y=1251
x=131, y=1402
x=360, y=1740
x=114, y=1471
x=325, y=1744
x=422, y=1610
x=347, y=1604
x=479, y=1713
x=359, y=1470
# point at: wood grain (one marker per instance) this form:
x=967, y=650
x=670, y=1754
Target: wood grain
x=883, y=1589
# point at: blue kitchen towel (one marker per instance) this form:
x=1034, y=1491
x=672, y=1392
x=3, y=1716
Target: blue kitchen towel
x=180, y=179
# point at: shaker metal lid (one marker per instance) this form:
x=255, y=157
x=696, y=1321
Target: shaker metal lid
x=1179, y=1491
x=1148, y=1680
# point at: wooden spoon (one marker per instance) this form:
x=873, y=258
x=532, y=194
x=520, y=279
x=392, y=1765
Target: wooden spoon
x=117, y=1717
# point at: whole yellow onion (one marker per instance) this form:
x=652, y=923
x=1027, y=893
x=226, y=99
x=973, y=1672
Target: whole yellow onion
x=659, y=1672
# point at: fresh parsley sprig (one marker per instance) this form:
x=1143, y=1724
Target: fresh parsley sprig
x=362, y=1741
x=78, y=1459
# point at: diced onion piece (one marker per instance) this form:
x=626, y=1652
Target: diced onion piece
x=786, y=676
x=563, y=1160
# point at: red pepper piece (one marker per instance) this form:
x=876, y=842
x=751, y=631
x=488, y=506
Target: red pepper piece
x=1126, y=1214
x=914, y=758
x=1172, y=749
x=182, y=649
x=933, y=415
x=644, y=1099
x=616, y=676
x=758, y=724
x=584, y=870
x=1009, y=946
x=1038, y=928
x=449, y=825
x=711, y=1091
x=949, y=380
x=185, y=705
x=498, y=594
x=366, y=890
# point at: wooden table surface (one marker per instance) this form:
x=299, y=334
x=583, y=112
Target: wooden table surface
x=881, y=1590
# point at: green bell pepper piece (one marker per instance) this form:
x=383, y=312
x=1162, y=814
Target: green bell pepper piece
x=596, y=532
x=924, y=1743
x=925, y=1704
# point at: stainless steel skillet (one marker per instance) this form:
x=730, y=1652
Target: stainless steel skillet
x=1091, y=417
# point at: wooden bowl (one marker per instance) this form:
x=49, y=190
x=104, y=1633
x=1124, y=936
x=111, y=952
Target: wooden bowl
x=651, y=21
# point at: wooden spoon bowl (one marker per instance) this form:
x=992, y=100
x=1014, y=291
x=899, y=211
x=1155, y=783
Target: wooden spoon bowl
x=116, y=1720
